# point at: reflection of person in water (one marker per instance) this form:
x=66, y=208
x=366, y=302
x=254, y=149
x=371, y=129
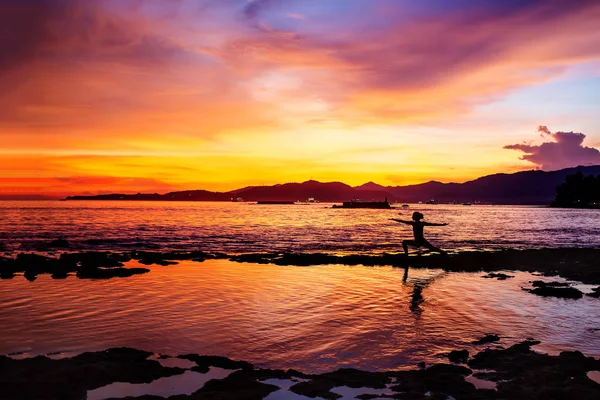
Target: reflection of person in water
x=418, y=284
x=419, y=240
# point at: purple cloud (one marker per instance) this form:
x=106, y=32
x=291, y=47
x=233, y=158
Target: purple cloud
x=566, y=150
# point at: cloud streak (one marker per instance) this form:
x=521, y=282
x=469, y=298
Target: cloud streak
x=565, y=150
x=236, y=78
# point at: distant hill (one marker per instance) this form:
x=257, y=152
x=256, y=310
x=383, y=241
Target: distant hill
x=527, y=187
x=324, y=192
x=186, y=195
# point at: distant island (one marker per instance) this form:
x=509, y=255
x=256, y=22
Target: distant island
x=525, y=188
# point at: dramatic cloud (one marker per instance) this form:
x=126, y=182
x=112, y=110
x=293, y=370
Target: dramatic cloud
x=565, y=151
x=249, y=81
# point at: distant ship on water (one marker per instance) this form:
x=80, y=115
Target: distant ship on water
x=358, y=203
x=310, y=200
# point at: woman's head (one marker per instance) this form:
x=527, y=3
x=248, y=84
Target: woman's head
x=417, y=216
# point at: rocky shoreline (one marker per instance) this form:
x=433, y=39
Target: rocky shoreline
x=577, y=264
x=516, y=372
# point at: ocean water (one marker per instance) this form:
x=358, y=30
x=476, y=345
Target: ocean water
x=314, y=319
x=245, y=227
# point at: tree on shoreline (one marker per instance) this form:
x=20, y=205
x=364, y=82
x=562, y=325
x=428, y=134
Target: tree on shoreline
x=578, y=191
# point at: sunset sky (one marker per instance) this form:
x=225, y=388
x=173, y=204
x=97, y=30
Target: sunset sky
x=153, y=96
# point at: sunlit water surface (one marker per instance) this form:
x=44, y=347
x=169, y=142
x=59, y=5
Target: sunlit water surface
x=244, y=227
x=310, y=318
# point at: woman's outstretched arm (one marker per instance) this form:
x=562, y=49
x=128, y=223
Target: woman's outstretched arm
x=434, y=224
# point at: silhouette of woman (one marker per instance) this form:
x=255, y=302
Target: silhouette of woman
x=419, y=240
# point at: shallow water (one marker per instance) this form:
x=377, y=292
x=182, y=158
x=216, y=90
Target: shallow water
x=244, y=227
x=313, y=319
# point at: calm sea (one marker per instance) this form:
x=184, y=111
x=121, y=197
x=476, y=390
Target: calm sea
x=314, y=318
x=245, y=227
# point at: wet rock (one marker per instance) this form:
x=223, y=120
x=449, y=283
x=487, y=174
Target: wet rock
x=106, y=273
x=170, y=258
x=439, y=381
x=59, y=243
x=555, y=289
x=94, y=259
x=572, y=263
x=459, y=356
x=489, y=338
x=44, y=378
x=542, y=284
x=520, y=374
x=7, y=268
x=525, y=374
x=500, y=276
x=204, y=362
x=240, y=385
x=320, y=385
x=259, y=258
x=60, y=275
x=30, y=275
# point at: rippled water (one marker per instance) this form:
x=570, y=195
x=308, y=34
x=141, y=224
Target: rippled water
x=245, y=227
x=310, y=318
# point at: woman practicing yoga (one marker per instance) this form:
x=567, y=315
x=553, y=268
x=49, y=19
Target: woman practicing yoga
x=419, y=240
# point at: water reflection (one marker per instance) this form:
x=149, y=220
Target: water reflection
x=309, y=318
x=417, y=286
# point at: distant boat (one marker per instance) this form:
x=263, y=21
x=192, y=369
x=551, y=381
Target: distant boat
x=264, y=202
x=237, y=199
x=310, y=200
x=358, y=203
x=432, y=201
x=466, y=204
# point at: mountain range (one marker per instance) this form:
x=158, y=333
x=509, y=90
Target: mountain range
x=526, y=187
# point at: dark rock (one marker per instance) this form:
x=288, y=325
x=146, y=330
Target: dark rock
x=240, y=385
x=106, y=273
x=542, y=284
x=203, y=362
x=320, y=385
x=440, y=380
x=59, y=243
x=520, y=374
x=7, y=268
x=459, y=356
x=170, y=258
x=500, y=276
x=525, y=374
x=94, y=259
x=60, y=275
x=43, y=378
x=489, y=338
x=261, y=258
x=572, y=263
x=552, y=291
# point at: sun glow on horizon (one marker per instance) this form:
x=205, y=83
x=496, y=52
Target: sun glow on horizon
x=152, y=96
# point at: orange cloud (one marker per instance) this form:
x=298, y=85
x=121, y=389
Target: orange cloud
x=224, y=93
